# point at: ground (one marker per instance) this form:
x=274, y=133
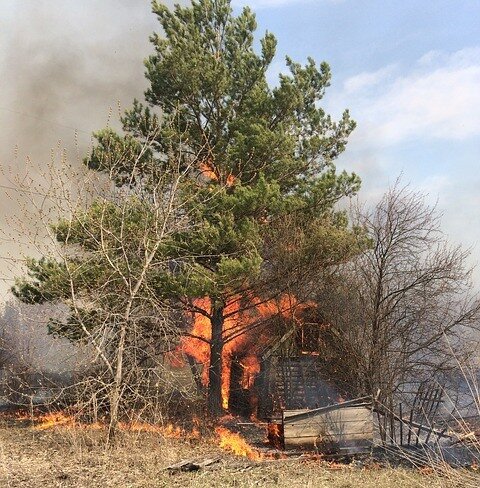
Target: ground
x=63, y=457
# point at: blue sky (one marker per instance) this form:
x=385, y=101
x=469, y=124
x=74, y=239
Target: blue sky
x=409, y=71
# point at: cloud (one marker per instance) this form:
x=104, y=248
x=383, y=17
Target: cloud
x=421, y=120
x=438, y=98
x=369, y=79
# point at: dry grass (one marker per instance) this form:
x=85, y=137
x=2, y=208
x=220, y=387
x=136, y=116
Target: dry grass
x=73, y=458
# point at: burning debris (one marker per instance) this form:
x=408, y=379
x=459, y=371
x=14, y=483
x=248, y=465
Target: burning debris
x=275, y=435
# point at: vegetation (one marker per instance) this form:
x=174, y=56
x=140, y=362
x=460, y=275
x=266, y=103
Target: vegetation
x=402, y=309
x=61, y=458
x=204, y=174
x=221, y=193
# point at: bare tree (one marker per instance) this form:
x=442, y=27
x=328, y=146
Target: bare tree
x=102, y=249
x=394, y=306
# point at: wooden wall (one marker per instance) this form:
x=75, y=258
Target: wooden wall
x=330, y=429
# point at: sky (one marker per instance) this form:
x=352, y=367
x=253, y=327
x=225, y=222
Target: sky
x=408, y=71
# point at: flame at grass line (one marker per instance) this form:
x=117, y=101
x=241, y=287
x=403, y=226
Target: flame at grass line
x=171, y=431
x=226, y=439
x=236, y=444
x=44, y=421
x=275, y=435
x=54, y=419
x=61, y=419
x=245, y=346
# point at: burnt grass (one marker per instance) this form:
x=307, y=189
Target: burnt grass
x=65, y=457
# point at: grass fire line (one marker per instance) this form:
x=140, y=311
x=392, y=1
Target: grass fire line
x=231, y=442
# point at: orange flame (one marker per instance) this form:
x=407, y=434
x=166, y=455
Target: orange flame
x=208, y=170
x=275, y=435
x=63, y=419
x=171, y=431
x=54, y=419
x=244, y=331
x=236, y=444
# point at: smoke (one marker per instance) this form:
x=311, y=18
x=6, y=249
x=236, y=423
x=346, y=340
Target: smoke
x=66, y=69
x=25, y=345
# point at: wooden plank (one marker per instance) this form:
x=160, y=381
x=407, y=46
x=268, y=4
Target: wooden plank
x=332, y=438
x=329, y=429
x=331, y=426
x=329, y=423
x=334, y=423
x=410, y=421
x=336, y=420
x=345, y=439
x=338, y=440
x=292, y=413
x=356, y=402
x=293, y=430
x=327, y=444
x=352, y=414
x=340, y=426
x=401, y=426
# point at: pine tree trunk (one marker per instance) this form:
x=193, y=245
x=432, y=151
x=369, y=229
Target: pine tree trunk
x=215, y=371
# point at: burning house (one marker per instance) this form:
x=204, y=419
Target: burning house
x=273, y=369
x=270, y=357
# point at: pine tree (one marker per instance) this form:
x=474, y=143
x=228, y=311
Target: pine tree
x=249, y=154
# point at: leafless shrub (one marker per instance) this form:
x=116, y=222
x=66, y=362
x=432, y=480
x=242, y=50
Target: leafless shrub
x=113, y=308
x=394, y=307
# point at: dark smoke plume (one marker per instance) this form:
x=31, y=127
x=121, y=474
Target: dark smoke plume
x=64, y=67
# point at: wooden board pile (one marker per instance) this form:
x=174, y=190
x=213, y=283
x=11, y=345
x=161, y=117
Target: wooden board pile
x=345, y=428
